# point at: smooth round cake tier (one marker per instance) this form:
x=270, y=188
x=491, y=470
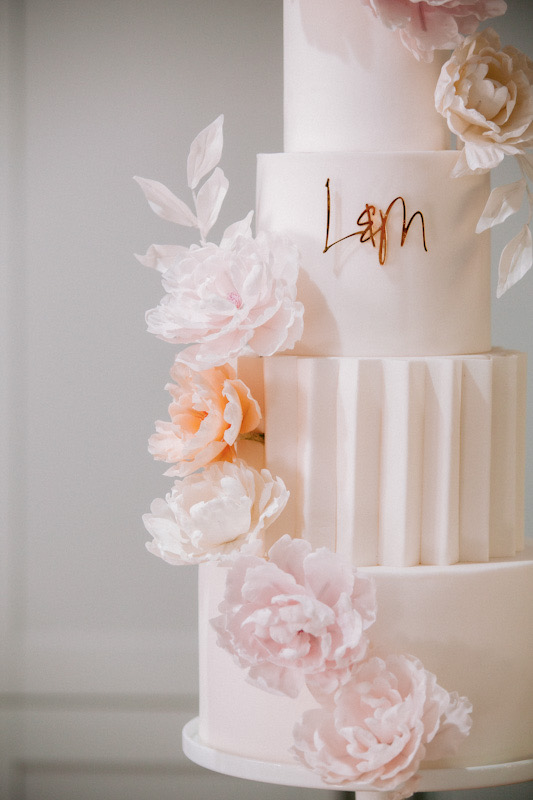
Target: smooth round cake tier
x=350, y=84
x=470, y=624
x=431, y=294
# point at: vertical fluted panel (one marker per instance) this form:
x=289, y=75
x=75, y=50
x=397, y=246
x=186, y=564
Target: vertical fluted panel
x=281, y=434
x=440, y=484
x=358, y=459
x=521, y=359
x=401, y=462
x=475, y=459
x=317, y=436
x=398, y=461
x=504, y=455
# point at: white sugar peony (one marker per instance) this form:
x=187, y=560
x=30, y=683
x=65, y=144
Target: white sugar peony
x=226, y=301
x=485, y=94
x=215, y=514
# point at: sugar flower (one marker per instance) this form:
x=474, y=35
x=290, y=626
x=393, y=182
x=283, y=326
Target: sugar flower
x=428, y=25
x=209, y=411
x=227, y=301
x=222, y=300
x=298, y=617
x=485, y=94
x=390, y=716
x=215, y=514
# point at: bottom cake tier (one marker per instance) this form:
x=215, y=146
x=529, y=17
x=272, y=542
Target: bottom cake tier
x=470, y=624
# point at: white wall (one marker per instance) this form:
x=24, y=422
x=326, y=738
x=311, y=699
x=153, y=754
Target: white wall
x=98, y=638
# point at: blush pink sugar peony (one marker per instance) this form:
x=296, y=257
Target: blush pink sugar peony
x=428, y=25
x=210, y=410
x=390, y=716
x=298, y=618
x=231, y=300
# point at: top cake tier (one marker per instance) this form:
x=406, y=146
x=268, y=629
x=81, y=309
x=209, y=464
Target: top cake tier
x=350, y=85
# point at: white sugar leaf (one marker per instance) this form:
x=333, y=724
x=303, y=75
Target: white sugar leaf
x=526, y=164
x=209, y=200
x=241, y=228
x=502, y=203
x=165, y=204
x=162, y=256
x=205, y=152
x=515, y=261
x=461, y=167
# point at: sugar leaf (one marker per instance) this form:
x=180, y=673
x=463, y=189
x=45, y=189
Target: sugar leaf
x=205, y=152
x=241, y=228
x=209, y=200
x=162, y=256
x=502, y=203
x=165, y=204
x=515, y=261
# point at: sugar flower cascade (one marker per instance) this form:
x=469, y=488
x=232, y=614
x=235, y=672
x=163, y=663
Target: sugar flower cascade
x=291, y=617
x=485, y=94
x=304, y=618
x=226, y=300
x=221, y=301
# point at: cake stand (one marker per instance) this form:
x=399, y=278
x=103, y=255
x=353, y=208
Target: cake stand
x=431, y=780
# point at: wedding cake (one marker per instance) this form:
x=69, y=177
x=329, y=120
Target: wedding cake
x=348, y=446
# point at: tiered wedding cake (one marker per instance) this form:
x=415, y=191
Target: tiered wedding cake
x=396, y=429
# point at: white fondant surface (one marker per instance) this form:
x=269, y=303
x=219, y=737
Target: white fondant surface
x=431, y=780
x=416, y=303
x=351, y=85
x=397, y=461
x=470, y=624
x=429, y=453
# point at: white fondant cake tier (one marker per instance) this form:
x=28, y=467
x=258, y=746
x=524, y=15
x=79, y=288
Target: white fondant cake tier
x=396, y=461
x=470, y=624
x=351, y=85
x=431, y=294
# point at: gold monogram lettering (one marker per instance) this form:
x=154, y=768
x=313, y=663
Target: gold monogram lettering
x=373, y=223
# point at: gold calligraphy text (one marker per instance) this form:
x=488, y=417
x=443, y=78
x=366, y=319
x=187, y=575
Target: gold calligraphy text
x=373, y=223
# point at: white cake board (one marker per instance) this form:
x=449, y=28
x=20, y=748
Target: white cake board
x=431, y=780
